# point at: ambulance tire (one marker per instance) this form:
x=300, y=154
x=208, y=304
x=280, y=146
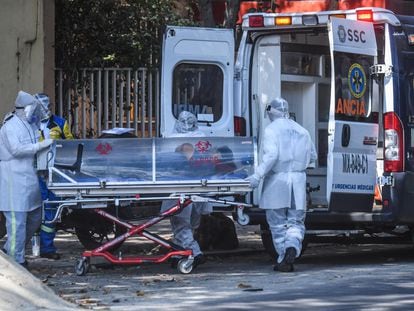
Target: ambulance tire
x=3, y=230
x=94, y=231
x=267, y=242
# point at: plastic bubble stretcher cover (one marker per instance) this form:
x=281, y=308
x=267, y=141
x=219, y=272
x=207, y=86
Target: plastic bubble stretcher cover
x=93, y=173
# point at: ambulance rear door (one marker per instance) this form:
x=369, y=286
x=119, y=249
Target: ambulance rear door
x=353, y=125
x=197, y=76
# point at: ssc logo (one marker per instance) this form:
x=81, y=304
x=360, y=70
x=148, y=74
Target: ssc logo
x=341, y=33
x=357, y=80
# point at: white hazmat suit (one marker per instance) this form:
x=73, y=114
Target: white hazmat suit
x=188, y=219
x=287, y=151
x=19, y=185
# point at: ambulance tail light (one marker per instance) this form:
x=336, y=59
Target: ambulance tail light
x=365, y=15
x=393, y=143
x=256, y=21
x=239, y=126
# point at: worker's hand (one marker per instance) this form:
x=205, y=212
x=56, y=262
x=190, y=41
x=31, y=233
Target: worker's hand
x=254, y=180
x=45, y=143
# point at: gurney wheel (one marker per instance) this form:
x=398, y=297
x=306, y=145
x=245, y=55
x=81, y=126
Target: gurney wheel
x=243, y=219
x=82, y=266
x=185, y=266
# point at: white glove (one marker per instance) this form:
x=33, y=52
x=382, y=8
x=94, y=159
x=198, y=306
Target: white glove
x=45, y=143
x=254, y=180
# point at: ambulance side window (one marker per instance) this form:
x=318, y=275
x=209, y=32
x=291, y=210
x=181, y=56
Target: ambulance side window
x=198, y=88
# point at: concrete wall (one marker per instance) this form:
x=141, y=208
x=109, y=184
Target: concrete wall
x=26, y=49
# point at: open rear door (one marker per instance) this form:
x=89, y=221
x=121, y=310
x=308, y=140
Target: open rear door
x=197, y=76
x=353, y=125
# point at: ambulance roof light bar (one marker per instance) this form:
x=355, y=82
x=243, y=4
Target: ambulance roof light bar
x=276, y=20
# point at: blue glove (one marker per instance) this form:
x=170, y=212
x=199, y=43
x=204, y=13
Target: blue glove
x=254, y=180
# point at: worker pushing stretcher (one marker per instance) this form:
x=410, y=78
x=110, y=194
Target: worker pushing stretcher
x=95, y=173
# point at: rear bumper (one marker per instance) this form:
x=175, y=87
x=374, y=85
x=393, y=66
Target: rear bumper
x=324, y=219
x=398, y=199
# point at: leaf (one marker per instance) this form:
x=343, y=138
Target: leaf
x=242, y=285
x=140, y=293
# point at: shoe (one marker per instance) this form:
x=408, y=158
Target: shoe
x=4, y=251
x=54, y=256
x=283, y=267
x=287, y=263
x=290, y=255
x=199, y=260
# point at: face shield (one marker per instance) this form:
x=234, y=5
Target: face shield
x=35, y=113
x=187, y=122
x=45, y=103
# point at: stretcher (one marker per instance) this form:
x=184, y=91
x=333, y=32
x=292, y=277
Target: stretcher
x=94, y=174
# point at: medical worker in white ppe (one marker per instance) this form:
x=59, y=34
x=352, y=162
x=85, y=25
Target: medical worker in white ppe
x=20, y=199
x=189, y=218
x=287, y=151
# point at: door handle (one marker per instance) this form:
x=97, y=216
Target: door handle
x=346, y=135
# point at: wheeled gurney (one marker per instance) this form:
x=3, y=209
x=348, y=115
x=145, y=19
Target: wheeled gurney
x=96, y=173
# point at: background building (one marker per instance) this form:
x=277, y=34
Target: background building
x=26, y=52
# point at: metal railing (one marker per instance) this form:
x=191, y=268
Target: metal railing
x=95, y=99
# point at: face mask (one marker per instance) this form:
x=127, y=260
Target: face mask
x=187, y=125
x=45, y=114
x=34, y=114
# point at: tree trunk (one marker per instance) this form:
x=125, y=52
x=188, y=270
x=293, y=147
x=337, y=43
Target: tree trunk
x=206, y=13
x=232, y=13
x=333, y=5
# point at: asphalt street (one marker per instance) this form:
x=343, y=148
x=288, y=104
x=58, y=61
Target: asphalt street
x=327, y=277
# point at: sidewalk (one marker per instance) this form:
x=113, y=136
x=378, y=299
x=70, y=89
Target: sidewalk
x=21, y=291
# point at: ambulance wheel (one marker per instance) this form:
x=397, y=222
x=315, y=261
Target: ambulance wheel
x=2, y=225
x=82, y=266
x=184, y=266
x=93, y=231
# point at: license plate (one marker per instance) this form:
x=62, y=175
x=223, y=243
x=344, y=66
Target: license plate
x=385, y=180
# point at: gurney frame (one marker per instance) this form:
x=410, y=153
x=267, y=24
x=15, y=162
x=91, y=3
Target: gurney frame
x=97, y=198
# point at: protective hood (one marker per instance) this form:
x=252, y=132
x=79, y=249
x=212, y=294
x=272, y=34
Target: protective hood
x=187, y=122
x=278, y=108
x=24, y=99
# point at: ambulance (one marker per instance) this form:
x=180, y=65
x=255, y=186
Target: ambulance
x=348, y=76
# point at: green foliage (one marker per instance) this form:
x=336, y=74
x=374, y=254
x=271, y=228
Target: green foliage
x=112, y=33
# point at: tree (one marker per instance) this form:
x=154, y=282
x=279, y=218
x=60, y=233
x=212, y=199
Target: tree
x=232, y=13
x=206, y=13
x=205, y=8
x=120, y=33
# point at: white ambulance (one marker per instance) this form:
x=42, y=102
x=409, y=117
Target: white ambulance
x=349, y=79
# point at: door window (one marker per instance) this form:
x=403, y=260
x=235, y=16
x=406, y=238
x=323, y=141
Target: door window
x=198, y=88
x=353, y=87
